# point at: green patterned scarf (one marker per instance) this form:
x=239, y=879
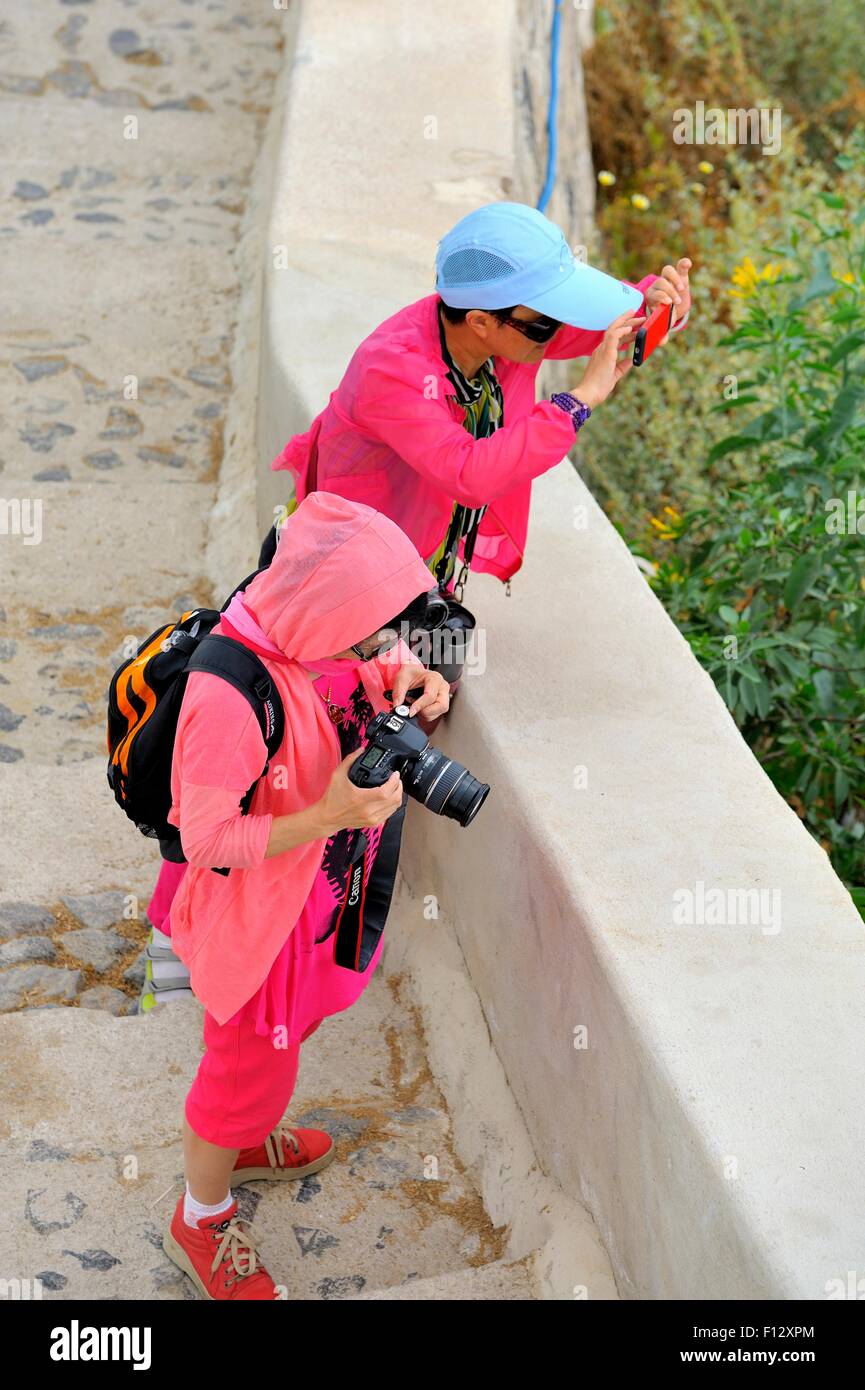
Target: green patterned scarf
x=483, y=413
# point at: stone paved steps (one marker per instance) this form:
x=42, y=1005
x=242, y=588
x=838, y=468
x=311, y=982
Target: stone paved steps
x=91, y=1162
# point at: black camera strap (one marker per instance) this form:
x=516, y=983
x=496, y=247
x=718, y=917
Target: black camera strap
x=365, y=906
x=349, y=923
x=465, y=524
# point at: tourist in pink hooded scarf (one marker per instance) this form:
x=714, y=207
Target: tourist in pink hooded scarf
x=263, y=941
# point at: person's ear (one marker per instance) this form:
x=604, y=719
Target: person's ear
x=481, y=322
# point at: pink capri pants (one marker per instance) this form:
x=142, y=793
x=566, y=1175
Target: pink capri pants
x=243, y=1084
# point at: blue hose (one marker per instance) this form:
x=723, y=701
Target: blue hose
x=552, y=110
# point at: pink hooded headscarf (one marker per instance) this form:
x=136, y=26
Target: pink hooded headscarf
x=341, y=571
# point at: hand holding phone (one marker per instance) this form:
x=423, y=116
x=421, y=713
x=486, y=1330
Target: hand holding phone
x=609, y=362
x=653, y=333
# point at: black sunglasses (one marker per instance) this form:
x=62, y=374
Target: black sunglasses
x=538, y=330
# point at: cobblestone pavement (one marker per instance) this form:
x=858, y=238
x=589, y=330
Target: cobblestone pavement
x=118, y=303
x=130, y=131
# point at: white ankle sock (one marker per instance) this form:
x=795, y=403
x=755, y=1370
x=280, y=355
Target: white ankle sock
x=193, y=1211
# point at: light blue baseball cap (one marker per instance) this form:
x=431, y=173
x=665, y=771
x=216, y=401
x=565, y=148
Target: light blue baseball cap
x=509, y=253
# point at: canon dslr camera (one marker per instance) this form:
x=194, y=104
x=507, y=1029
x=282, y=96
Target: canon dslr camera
x=398, y=744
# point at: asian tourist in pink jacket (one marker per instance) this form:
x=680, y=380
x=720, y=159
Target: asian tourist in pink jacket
x=265, y=942
x=436, y=423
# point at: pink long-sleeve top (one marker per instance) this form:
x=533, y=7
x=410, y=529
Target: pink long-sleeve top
x=304, y=984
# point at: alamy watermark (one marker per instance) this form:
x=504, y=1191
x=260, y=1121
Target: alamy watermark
x=845, y=517
x=753, y=125
x=21, y=516
x=77, y=1343
x=728, y=907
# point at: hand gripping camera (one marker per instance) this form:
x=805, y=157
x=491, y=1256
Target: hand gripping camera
x=398, y=744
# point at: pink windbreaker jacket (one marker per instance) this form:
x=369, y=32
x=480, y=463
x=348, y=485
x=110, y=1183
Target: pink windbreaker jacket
x=395, y=407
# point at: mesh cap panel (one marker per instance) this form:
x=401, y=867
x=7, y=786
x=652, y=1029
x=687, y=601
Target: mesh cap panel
x=473, y=266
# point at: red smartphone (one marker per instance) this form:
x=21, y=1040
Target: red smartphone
x=653, y=331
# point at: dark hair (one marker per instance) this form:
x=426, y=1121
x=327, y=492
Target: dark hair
x=413, y=614
x=459, y=315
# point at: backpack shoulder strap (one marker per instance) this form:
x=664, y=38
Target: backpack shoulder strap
x=245, y=583
x=240, y=667
x=222, y=656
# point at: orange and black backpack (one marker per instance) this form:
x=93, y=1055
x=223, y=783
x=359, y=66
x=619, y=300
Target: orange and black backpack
x=144, y=699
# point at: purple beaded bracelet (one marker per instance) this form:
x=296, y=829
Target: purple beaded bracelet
x=578, y=412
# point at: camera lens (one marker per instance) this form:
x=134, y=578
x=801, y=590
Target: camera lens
x=446, y=787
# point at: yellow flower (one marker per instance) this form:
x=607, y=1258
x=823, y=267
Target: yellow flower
x=697, y=188
x=606, y=178
x=640, y=202
x=848, y=278
x=748, y=277
x=667, y=530
x=705, y=167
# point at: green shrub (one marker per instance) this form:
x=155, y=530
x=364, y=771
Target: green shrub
x=727, y=459
x=809, y=57
x=649, y=444
x=767, y=580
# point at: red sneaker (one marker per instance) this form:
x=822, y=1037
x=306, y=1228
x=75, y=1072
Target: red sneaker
x=218, y=1256
x=286, y=1153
